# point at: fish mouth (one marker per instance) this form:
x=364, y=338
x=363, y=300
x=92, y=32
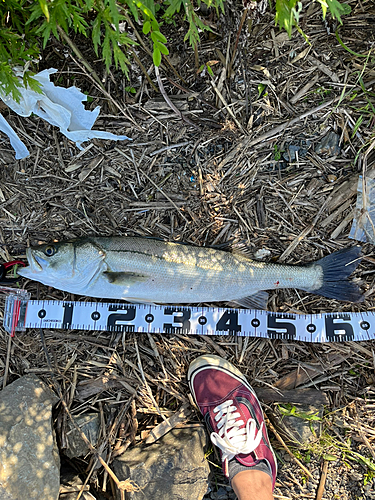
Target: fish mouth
x=35, y=264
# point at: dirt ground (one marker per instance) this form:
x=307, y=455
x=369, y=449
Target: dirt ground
x=243, y=160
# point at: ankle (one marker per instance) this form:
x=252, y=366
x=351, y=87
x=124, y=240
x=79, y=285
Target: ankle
x=252, y=485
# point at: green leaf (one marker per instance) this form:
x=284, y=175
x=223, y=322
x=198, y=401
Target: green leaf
x=162, y=48
x=355, y=130
x=156, y=35
x=346, y=9
x=337, y=9
x=284, y=15
x=96, y=34
x=44, y=7
x=156, y=56
x=210, y=72
x=347, y=48
x=107, y=53
x=146, y=27
x=174, y=6
x=114, y=13
x=133, y=9
x=29, y=81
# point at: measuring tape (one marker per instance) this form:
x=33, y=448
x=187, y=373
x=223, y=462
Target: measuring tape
x=20, y=313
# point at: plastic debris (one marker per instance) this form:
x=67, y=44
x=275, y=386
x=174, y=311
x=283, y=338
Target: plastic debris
x=262, y=253
x=59, y=106
x=290, y=154
x=363, y=227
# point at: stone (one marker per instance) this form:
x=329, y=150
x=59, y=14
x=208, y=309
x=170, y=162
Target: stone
x=221, y=494
x=173, y=468
x=329, y=144
x=71, y=485
x=302, y=430
x=89, y=423
x=29, y=459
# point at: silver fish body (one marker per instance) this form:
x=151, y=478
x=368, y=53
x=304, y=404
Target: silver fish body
x=149, y=270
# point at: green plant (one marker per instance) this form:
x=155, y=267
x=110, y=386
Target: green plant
x=194, y=21
x=288, y=12
x=290, y=410
x=27, y=25
x=277, y=157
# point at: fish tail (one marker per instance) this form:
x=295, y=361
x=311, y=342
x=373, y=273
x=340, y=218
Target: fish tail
x=337, y=268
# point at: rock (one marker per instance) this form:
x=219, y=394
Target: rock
x=299, y=428
x=329, y=145
x=89, y=423
x=356, y=476
x=221, y=494
x=173, y=468
x=29, y=459
x=71, y=485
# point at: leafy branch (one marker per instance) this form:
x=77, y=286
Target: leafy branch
x=27, y=25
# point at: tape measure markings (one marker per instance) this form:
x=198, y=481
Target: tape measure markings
x=124, y=317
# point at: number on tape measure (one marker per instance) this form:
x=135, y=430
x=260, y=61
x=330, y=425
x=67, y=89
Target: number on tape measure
x=119, y=321
x=279, y=328
x=228, y=323
x=182, y=318
x=338, y=327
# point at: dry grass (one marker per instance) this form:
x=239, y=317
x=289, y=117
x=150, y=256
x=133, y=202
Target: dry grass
x=211, y=177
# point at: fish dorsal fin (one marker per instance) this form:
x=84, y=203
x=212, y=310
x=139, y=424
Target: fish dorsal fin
x=238, y=247
x=242, y=248
x=124, y=278
x=256, y=301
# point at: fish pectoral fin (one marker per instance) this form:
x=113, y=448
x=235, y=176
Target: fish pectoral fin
x=124, y=278
x=256, y=301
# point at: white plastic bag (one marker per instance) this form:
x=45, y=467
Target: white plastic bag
x=60, y=107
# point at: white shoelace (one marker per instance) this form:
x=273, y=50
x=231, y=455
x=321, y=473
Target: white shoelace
x=232, y=439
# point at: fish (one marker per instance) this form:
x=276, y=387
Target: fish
x=146, y=270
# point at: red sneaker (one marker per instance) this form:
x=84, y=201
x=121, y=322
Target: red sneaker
x=232, y=413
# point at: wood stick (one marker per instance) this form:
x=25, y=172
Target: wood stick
x=322, y=482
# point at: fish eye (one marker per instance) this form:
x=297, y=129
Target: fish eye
x=50, y=250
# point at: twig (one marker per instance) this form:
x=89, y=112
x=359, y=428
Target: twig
x=167, y=148
x=144, y=71
x=147, y=50
x=282, y=442
x=148, y=389
x=229, y=70
x=123, y=486
x=138, y=36
x=246, y=143
x=169, y=102
x=164, y=194
x=102, y=89
x=221, y=97
x=322, y=482
x=80, y=57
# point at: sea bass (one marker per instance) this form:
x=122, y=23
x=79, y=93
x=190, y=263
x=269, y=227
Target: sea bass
x=152, y=271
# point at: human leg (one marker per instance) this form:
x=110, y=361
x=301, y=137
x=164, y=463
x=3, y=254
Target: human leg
x=252, y=485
